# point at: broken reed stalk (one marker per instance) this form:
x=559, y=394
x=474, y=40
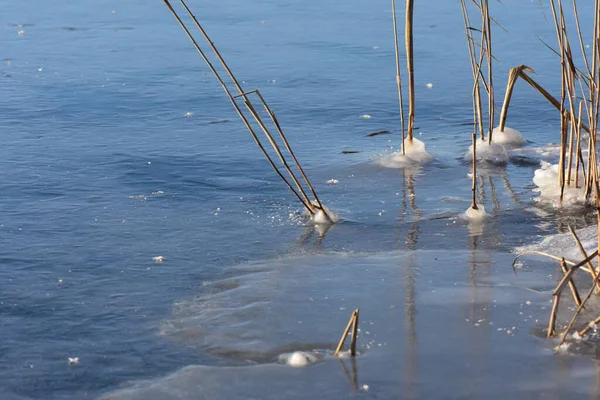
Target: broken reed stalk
x=579, y=309
x=541, y=253
x=591, y=268
x=398, y=76
x=410, y=66
x=567, y=277
x=300, y=193
x=513, y=75
x=352, y=323
x=572, y=287
x=521, y=74
x=585, y=330
x=552, y=322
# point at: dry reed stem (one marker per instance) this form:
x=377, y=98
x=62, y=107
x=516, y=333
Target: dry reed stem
x=289, y=149
x=476, y=70
x=398, y=76
x=579, y=309
x=579, y=155
x=561, y=285
x=354, y=333
x=352, y=323
x=299, y=192
x=306, y=204
x=585, y=330
x=408, y=37
x=487, y=34
x=547, y=95
x=591, y=268
x=513, y=75
x=474, y=182
x=552, y=322
x=251, y=109
x=572, y=287
x=541, y=253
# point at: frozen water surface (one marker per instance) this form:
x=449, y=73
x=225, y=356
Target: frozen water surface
x=471, y=323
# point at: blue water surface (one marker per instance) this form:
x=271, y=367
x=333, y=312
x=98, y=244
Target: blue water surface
x=118, y=146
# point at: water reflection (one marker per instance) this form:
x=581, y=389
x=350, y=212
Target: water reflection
x=409, y=206
x=352, y=375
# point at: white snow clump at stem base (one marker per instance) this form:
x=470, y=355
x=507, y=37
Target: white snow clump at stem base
x=546, y=180
x=475, y=215
x=491, y=153
x=320, y=216
x=298, y=359
x=415, y=153
x=508, y=137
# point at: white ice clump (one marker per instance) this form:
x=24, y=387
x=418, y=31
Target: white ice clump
x=576, y=336
x=324, y=215
x=563, y=348
x=546, y=180
x=491, y=153
x=298, y=359
x=508, y=137
x=333, y=182
x=415, y=153
x=475, y=215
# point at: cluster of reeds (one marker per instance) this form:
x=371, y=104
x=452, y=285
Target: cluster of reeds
x=578, y=104
x=481, y=60
x=278, y=141
x=584, y=84
x=578, y=169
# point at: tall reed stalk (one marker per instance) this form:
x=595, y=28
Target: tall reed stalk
x=410, y=66
x=398, y=76
x=297, y=188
